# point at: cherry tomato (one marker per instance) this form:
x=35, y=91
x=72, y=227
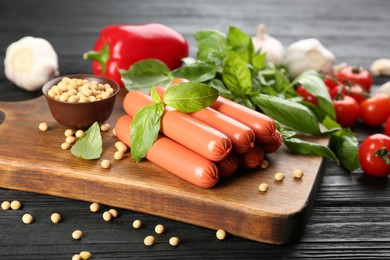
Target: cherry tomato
x=376, y=109
x=350, y=75
x=355, y=91
x=347, y=111
x=306, y=95
x=374, y=155
x=332, y=85
x=387, y=127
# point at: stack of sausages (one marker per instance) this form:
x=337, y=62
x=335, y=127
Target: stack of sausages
x=202, y=146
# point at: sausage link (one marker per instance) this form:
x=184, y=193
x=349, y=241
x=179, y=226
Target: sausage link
x=241, y=136
x=261, y=124
x=174, y=157
x=183, y=128
x=228, y=166
x=251, y=159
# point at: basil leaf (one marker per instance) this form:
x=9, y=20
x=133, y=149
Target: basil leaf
x=314, y=84
x=190, y=97
x=222, y=89
x=90, y=145
x=155, y=96
x=144, y=129
x=212, y=45
x=198, y=71
x=236, y=75
x=144, y=74
x=242, y=44
x=300, y=146
x=258, y=60
x=345, y=144
x=288, y=112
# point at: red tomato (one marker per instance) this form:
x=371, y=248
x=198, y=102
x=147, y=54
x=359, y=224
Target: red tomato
x=347, y=111
x=374, y=155
x=387, y=127
x=350, y=75
x=355, y=91
x=306, y=95
x=376, y=109
x=332, y=85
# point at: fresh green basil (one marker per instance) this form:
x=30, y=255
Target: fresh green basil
x=300, y=146
x=198, y=71
x=190, y=97
x=90, y=145
x=144, y=129
x=236, y=75
x=144, y=74
x=212, y=45
x=241, y=44
x=289, y=113
x=345, y=144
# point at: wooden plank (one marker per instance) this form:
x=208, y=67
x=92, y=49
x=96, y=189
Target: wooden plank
x=31, y=160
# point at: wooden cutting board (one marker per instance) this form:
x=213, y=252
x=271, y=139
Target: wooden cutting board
x=32, y=160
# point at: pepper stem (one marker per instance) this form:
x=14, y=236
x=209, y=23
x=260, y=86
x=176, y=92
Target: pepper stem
x=101, y=56
x=384, y=154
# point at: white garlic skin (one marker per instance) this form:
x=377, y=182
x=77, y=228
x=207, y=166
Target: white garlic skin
x=308, y=54
x=384, y=88
x=264, y=43
x=30, y=62
x=380, y=67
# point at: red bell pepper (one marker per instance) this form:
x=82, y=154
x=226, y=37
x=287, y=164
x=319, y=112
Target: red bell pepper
x=120, y=46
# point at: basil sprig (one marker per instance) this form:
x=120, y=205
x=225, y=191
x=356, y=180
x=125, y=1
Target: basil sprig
x=90, y=145
x=229, y=63
x=185, y=97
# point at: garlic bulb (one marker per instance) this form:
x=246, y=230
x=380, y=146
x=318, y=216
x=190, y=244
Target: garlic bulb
x=264, y=43
x=308, y=54
x=30, y=62
x=384, y=88
x=380, y=67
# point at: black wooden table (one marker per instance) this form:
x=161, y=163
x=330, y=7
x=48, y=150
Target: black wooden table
x=351, y=215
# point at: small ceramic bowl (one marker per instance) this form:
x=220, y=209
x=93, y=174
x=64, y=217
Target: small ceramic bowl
x=81, y=115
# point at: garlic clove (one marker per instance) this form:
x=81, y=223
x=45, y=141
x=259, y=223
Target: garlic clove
x=308, y=54
x=30, y=62
x=380, y=67
x=264, y=43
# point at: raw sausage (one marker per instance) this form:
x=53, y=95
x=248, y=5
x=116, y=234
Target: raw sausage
x=228, y=166
x=261, y=124
x=174, y=157
x=251, y=159
x=183, y=128
x=241, y=136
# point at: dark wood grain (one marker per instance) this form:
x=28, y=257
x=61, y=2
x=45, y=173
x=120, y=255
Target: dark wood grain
x=350, y=218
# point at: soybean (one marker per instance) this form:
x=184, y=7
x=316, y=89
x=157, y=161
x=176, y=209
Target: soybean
x=43, y=126
x=55, y=218
x=149, y=240
x=221, y=234
x=77, y=234
x=27, y=218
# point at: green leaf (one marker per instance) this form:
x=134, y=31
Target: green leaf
x=221, y=87
x=288, y=112
x=345, y=145
x=90, y=145
x=258, y=60
x=241, y=44
x=155, y=96
x=314, y=84
x=198, y=71
x=190, y=97
x=300, y=146
x=144, y=129
x=236, y=75
x=144, y=74
x=212, y=45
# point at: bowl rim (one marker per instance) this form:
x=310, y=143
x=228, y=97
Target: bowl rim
x=50, y=83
